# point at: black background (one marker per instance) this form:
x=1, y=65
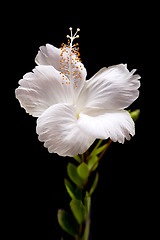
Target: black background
x=33, y=179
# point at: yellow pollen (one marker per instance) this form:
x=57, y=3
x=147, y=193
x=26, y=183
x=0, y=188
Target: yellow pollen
x=77, y=115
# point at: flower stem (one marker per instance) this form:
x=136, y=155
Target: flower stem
x=82, y=158
x=80, y=187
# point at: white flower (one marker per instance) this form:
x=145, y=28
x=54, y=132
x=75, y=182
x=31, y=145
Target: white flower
x=71, y=111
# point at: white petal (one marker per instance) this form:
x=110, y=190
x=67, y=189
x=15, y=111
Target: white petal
x=42, y=88
x=103, y=124
x=64, y=61
x=111, y=88
x=49, y=55
x=58, y=128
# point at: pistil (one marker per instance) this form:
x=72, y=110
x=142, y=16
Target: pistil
x=70, y=60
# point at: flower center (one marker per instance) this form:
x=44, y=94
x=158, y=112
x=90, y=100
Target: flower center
x=70, y=63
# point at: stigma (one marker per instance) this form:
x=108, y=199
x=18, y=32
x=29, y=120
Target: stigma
x=75, y=35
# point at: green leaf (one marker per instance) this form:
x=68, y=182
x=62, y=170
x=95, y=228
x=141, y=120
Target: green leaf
x=92, y=161
x=100, y=149
x=97, y=146
x=72, y=173
x=77, y=158
x=74, y=193
x=94, y=185
x=78, y=210
x=83, y=171
x=68, y=223
x=135, y=115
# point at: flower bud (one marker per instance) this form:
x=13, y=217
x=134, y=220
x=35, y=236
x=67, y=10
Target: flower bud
x=135, y=115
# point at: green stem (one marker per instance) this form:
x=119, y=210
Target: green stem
x=82, y=158
x=76, y=222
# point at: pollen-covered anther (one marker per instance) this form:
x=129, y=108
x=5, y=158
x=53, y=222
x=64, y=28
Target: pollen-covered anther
x=70, y=66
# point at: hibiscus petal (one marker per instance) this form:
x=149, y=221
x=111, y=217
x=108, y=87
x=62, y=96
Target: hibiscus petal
x=65, y=62
x=49, y=55
x=111, y=88
x=58, y=128
x=42, y=88
x=103, y=124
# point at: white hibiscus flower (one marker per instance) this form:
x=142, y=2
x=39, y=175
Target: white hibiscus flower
x=71, y=111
